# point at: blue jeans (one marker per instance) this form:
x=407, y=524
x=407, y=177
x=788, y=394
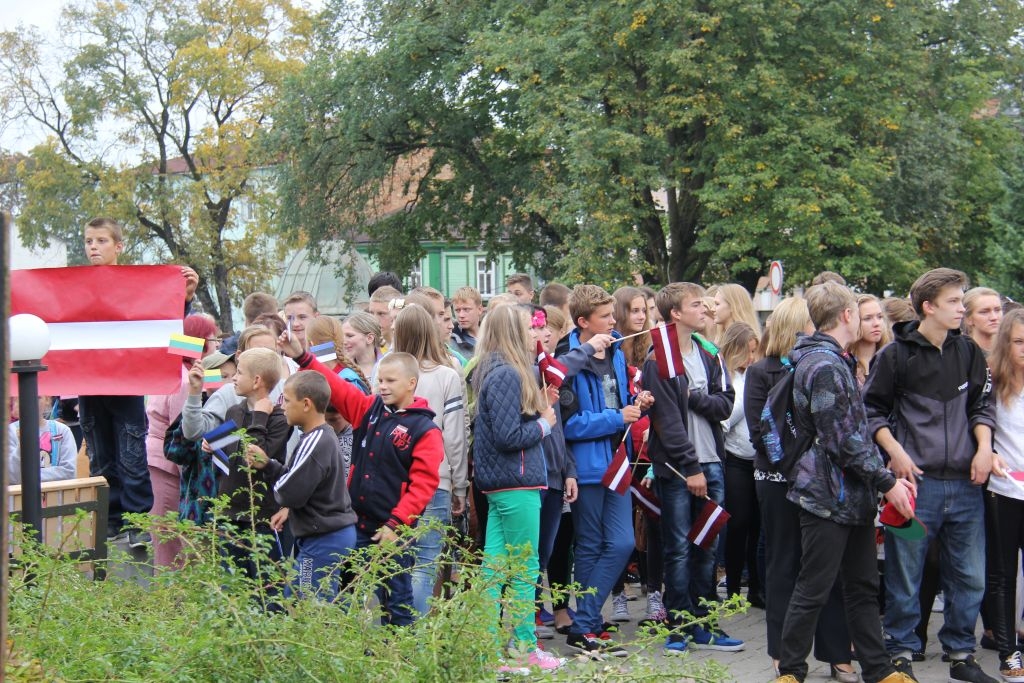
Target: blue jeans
x=689, y=569
x=427, y=548
x=603, y=522
x=395, y=595
x=953, y=512
x=319, y=560
x=115, y=435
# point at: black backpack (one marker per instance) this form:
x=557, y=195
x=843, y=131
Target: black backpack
x=784, y=435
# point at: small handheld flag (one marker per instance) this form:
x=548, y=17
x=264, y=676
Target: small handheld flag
x=617, y=476
x=709, y=522
x=212, y=379
x=324, y=352
x=220, y=460
x=551, y=370
x=223, y=436
x=184, y=345
x=667, y=352
x=645, y=499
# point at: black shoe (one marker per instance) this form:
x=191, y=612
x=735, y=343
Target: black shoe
x=138, y=539
x=987, y=642
x=968, y=670
x=586, y=643
x=917, y=656
x=756, y=600
x=903, y=666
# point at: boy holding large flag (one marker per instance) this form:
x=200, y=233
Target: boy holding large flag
x=692, y=394
x=597, y=409
x=114, y=427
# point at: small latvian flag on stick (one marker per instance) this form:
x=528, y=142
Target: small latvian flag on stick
x=709, y=522
x=667, y=352
x=324, y=352
x=618, y=476
x=551, y=370
x=184, y=345
x=645, y=499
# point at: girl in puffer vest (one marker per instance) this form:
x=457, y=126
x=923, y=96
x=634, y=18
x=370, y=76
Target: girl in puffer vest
x=512, y=417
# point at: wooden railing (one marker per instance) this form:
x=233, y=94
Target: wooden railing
x=82, y=537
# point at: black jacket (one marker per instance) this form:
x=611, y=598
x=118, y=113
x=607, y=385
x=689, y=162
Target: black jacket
x=270, y=432
x=669, y=441
x=313, y=487
x=761, y=377
x=933, y=403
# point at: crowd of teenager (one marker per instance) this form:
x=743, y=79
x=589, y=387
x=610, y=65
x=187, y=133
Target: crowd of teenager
x=432, y=407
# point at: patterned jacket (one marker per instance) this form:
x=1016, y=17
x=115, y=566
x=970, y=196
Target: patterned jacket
x=840, y=476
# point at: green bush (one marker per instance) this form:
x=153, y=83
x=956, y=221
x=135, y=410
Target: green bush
x=203, y=622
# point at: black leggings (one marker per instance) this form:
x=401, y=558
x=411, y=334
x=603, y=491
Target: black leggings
x=560, y=564
x=1004, y=539
x=744, y=526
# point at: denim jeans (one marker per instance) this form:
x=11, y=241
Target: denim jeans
x=689, y=570
x=603, y=522
x=428, y=548
x=115, y=436
x=953, y=512
x=319, y=560
x=395, y=595
x=513, y=526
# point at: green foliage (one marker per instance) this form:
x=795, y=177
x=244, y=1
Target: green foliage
x=205, y=622
x=156, y=113
x=604, y=138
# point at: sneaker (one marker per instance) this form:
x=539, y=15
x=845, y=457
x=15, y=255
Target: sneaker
x=655, y=607
x=902, y=665
x=586, y=643
x=968, y=669
x=620, y=607
x=543, y=632
x=917, y=655
x=675, y=644
x=987, y=642
x=788, y=678
x=138, y=539
x=506, y=672
x=939, y=604
x=609, y=647
x=544, y=660
x=1012, y=668
x=632, y=573
x=545, y=617
x=702, y=639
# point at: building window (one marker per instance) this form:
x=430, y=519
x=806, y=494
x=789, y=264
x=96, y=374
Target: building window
x=247, y=209
x=485, y=276
x=415, y=278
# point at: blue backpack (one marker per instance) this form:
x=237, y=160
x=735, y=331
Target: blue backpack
x=784, y=434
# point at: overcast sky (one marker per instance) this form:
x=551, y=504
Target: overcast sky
x=44, y=15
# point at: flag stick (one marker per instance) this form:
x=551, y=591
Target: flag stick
x=681, y=476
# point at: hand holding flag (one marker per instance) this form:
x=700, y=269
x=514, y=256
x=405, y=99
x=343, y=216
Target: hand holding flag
x=552, y=371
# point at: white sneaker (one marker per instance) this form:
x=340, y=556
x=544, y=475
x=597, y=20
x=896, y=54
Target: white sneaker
x=620, y=607
x=1012, y=668
x=655, y=607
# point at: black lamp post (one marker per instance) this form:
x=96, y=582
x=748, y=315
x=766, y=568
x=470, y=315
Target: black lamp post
x=30, y=340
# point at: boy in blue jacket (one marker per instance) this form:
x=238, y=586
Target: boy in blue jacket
x=597, y=408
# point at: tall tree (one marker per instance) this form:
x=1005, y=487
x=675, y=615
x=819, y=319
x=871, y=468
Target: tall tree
x=681, y=140
x=155, y=115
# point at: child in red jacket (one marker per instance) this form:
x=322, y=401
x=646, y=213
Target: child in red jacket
x=396, y=455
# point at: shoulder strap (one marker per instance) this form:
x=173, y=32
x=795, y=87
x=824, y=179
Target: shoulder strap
x=54, y=453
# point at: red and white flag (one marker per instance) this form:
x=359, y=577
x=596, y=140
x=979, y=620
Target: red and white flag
x=109, y=327
x=645, y=499
x=709, y=522
x=617, y=477
x=667, y=352
x=551, y=369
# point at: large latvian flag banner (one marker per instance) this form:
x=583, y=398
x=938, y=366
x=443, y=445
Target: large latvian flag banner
x=110, y=327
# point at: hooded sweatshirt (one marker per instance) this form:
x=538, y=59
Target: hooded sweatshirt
x=934, y=401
